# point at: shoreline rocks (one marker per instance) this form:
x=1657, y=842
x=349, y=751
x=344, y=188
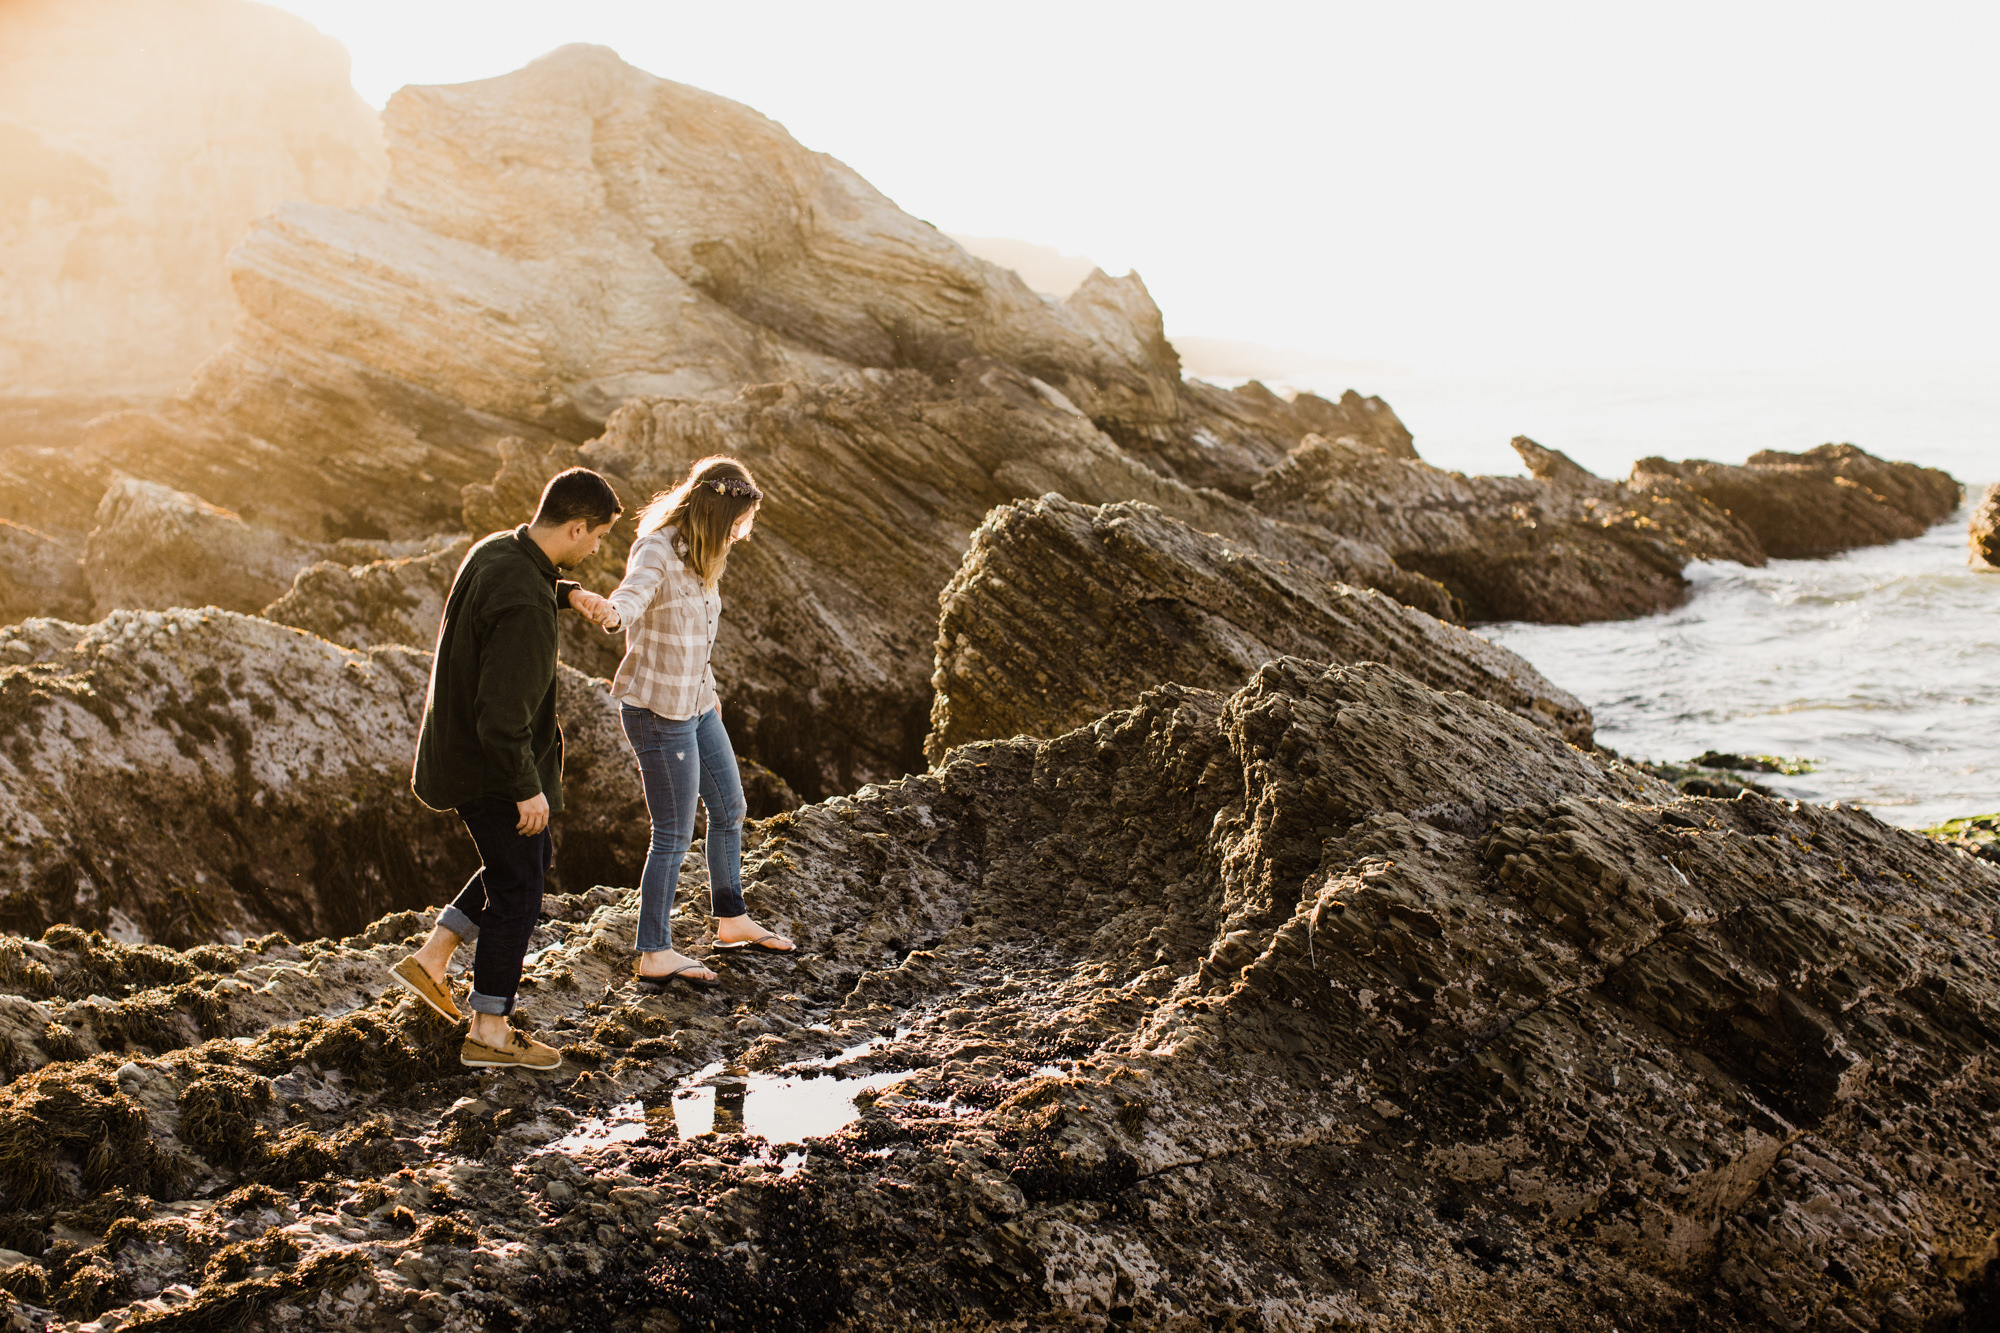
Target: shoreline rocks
x=1332, y=1001
x=1821, y=502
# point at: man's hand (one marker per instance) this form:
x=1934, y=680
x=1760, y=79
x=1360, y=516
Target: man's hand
x=597, y=610
x=534, y=815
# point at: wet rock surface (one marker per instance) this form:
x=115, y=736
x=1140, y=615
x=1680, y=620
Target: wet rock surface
x=1984, y=530
x=1061, y=612
x=191, y=775
x=1333, y=1002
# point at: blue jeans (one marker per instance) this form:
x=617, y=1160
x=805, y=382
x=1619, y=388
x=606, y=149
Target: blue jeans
x=678, y=761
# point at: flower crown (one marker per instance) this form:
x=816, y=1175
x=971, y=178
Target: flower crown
x=733, y=486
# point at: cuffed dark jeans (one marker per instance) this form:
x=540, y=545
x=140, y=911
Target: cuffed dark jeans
x=500, y=904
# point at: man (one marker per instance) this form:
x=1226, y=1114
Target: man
x=491, y=750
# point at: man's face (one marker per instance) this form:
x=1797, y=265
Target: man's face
x=583, y=540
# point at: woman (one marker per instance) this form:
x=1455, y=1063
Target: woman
x=668, y=608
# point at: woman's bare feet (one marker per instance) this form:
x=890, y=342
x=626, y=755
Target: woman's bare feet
x=742, y=932
x=660, y=962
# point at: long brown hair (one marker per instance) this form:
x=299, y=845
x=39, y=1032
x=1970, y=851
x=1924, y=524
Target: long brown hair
x=701, y=510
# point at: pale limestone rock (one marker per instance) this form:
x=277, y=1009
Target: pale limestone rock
x=558, y=240
x=138, y=141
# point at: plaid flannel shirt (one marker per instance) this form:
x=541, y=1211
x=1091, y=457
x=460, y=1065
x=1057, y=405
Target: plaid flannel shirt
x=669, y=620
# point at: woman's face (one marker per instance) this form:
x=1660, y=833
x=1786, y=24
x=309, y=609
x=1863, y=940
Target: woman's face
x=741, y=531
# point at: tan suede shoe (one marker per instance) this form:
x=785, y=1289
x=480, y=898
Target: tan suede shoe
x=410, y=975
x=519, y=1053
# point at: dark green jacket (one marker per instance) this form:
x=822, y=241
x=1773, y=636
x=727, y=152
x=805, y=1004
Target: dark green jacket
x=490, y=713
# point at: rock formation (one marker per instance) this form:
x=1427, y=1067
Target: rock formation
x=1561, y=546
x=1061, y=612
x=38, y=576
x=1984, y=530
x=154, y=547
x=1820, y=502
x=186, y=775
x=1335, y=1002
x=137, y=143
x=875, y=483
x=395, y=601
x=556, y=241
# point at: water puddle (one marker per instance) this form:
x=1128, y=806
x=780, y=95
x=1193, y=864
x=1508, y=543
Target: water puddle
x=782, y=1108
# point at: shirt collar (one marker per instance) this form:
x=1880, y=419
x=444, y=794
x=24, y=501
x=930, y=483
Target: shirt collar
x=535, y=553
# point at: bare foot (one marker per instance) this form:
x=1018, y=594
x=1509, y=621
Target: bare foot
x=743, y=931
x=660, y=962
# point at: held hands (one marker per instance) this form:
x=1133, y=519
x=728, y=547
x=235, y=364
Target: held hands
x=597, y=610
x=534, y=815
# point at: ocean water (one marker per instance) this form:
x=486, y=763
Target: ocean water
x=1881, y=665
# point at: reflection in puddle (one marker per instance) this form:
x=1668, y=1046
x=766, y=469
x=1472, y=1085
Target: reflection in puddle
x=779, y=1107
x=783, y=1108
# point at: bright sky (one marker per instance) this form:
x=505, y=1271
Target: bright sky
x=1424, y=183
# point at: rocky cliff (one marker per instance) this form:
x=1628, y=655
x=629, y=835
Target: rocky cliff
x=138, y=142
x=1061, y=612
x=1333, y=1002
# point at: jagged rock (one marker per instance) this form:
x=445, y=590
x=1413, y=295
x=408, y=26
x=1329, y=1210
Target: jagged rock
x=875, y=484
x=1333, y=1002
x=155, y=547
x=1984, y=530
x=556, y=241
x=1561, y=546
x=139, y=141
x=39, y=576
x=1061, y=612
x=189, y=773
x=394, y=601
x=1820, y=502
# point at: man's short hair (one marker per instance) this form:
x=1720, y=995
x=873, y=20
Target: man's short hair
x=577, y=493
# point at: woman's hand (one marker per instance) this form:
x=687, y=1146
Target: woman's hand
x=597, y=610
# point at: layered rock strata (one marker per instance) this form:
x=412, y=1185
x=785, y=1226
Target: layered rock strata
x=874, y=485
x=1335, y=1002
x=137, y=144
x=1984, y=529
x=1061, y=612
x=190, y=775
x=384, y=349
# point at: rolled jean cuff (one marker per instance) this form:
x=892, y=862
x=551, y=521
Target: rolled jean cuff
x=458, y=923
x=492, y=1004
